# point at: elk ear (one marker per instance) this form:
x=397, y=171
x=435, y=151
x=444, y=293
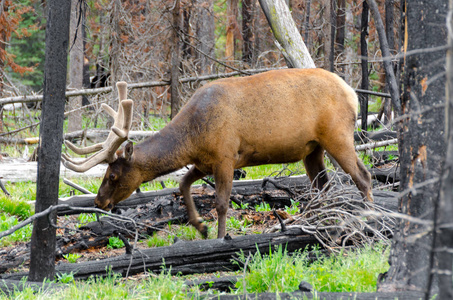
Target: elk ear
x=128, y=150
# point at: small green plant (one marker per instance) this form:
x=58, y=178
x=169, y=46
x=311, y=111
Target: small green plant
x=72, y=257
x=294, y=208
x=233, y=224
x=242, y=206
x=188, y=233
x=65, y=277
x=115, y=243
x=21, y=235
x=158, y=241
x=86, y=218
x=263, y=206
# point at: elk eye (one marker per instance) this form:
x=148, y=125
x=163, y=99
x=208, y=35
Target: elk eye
x=112, y=177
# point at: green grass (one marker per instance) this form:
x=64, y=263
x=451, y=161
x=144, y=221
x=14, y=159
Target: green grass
x=356, y=271
x=22, y=235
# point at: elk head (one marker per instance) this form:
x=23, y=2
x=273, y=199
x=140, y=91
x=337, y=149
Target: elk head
x=121, y=179
x=107, y=151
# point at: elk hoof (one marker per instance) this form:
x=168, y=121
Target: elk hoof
x=204, y=231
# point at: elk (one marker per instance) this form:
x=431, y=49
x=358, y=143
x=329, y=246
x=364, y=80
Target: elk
x=280, y=116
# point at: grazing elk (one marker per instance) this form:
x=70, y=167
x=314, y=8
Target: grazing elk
x=280, y=116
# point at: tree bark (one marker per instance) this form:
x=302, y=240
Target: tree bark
x=333, y=29
x=205, y=33
x=388, y=65
x=51, y=134
x=307, y=23
x=175, y=60
x=287, y=36
x=444, y=232
x=340, y=34
x=76, y=64
x=204, y=256
x=422, y=144
x=389, y=14
x=364, y=85
x=247, y=31
x=232, y=13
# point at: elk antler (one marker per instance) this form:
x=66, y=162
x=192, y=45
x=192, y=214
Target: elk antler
x=118, y=134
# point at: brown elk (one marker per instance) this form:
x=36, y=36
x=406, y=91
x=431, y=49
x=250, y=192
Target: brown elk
x=280, y=116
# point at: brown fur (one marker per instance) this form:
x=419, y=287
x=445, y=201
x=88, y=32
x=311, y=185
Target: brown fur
x=279, y=116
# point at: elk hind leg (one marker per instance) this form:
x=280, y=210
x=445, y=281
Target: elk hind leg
x=190, y=177
x=344, y=153
x=314, y=165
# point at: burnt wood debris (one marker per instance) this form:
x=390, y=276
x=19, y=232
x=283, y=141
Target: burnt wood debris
x=153, y=210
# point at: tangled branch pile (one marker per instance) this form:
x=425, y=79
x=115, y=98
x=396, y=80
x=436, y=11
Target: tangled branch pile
x=339, y=216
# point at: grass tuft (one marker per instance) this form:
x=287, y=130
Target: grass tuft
x=355, y=271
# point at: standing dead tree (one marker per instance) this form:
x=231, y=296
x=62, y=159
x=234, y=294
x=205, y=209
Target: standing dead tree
x=422, y=144
x=51, y=133
x=288, y=38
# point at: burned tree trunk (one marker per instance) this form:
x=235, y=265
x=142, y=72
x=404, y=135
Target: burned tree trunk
x=364, y=54
x=422, y=145
x=247, y=30
x=175, y=60
x=444, y=233
x=51, y=135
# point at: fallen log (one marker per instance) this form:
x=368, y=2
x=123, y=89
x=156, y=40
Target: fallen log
x=187, y=257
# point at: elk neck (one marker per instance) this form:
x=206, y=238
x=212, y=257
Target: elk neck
x=162, y=153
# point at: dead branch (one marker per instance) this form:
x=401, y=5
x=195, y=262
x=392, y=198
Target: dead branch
x=376, y=145
x=336, y=216
x=53, y=208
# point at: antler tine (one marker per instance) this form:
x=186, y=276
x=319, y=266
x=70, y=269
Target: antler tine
x=122, y=90
x=118, y=134
x=84, y=165
x=84, y=150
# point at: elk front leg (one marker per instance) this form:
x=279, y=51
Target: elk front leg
x=223, y=176
x=184, y=186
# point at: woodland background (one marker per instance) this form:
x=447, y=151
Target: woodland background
x=135, y=41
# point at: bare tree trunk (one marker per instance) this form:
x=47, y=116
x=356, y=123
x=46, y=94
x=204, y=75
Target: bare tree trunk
x=288, y=38
x=389, y=11
x=364, y=58
x=340, y=34
x=175, y=61
x=307, y=24
x=422, y=146
x=247, y=31
x=327, y=32
x=76, y=64
x=232, y=13
x=3, y=12
x=444, y=232
x=333, y=29
x=390, y=74
x=205, y=33
x=43, y=241
x=187, y=12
